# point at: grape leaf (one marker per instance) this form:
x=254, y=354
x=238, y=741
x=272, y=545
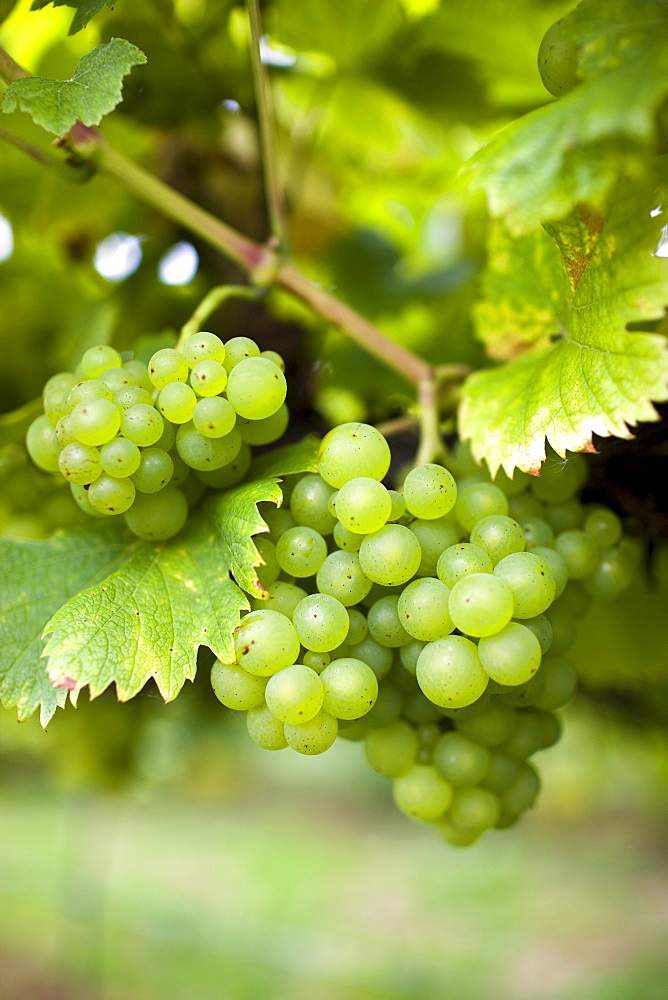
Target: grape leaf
x=597, y=377
x=37, y=577
x=575, y=149
x=237, y=515
x=93, y=91
x=85, y=10
x=148, y=618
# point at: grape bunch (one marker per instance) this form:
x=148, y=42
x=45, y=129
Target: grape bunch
x=144, y=441
x=429, y=624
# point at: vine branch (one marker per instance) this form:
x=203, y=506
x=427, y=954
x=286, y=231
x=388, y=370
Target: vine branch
x=267, y=131
x=214, y=298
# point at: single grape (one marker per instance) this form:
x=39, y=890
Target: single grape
x=602, y=525
x=512, y=656
x=266, y=642
x=499, y=536
x=423, y=609
x=228, y=475
x=214, y=416
x=110, y=495
x=80, y=463
x=341, y=576
x=542, y=629
x=267, y=430
x=154, y=471
x=430, y=491
x=116, y=378
x=559, y=684
x=142, y=424
x=398, y=508
x=352, y=450
x=558, y=57
x=95, y=421
x=295, y=694
x=139, y=371
x=55, y=395
x=501, y=772
x=490, y=725
x=378, y=657
x=564, y=516
x=363, y=505
x=309, y=504
x=98, y=359
x=477, y=501
x=63, y=431
x=281, y=596
x=237, y=349
x=350, y=688
x=358, y=628
x=531, y=581
x=265, y=729
x=321, y=622
x=208, y=378
x=120, y=457
x=157, y=516
x=461, y=560
x=203, y=346
x=391, y=555
x=473, y=810
x=301, y=551
x=91, y=388
x=236, y=688
x=422, y=793
x=312, y=737
x=519, y=796
x=612, y=576
x=42, y=444
x=167, y=365
x=459, y=760
x=80, y=497
x=392, y=750
x=177, y=401
x=206, y=453
x=410, y=653
x=537, y=532
x=256, y=388
x=346, y=540
x=384, y=623
x=449, y=672
x=481, y=604
x=435, y=537
x=579, y=551
x=130, y=395
x=316, y=661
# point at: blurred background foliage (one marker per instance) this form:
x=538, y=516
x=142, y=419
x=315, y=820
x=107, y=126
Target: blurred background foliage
x=273, y=877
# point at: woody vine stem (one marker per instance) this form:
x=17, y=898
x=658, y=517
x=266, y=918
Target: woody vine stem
x=85, y=149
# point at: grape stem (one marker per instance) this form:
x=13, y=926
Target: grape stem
x=211, y=301
x=261, y=262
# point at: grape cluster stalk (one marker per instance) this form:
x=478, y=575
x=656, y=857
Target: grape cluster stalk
x=144, y=441
x=429, y=624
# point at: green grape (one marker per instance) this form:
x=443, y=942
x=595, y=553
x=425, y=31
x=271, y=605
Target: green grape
x=423, y=609
x=564, y=629
x=130, y=395
x=519, y=796
x=99, y=359
x=341, y=576
x=268, y=572
x=542, y=629
x=312, y=737
x=256, y=388
x=237, y=349
x=346, y=540
x=352, y=450
x=459, y=760
x=410, y=653
x=391, y=555
x=557, y=566
x=177, y=402
x=549, y=725
x=514, y=486
x=422, y=793
x=481, y=604
x=460, y=560
x=265, y=729
x=559, y=480
x=430, y=491
x=558, y=57
x=559, y=684
x=208, y=378
x=275, y=357
x=521, y=695
x=295, y=694
x=491, y=725
x=278, y=519
x=350, y=688
x=378, y=657
x=388, y=708
x=91, y=388
x=42, y=444
x=267, y=430
x=236, y=688
x=205, y=453
x=384, y=624
x=95, y=421
x=80, y=497
x=157, y=516
x=116, y=378
x=301, y=551
x=501, y=772
x=455, y=837
x=477, y=501
x=499, y=536
x=228, y=475
x=512, y=656
x=525, y=739
x=120, y=458
x=398, y=508
x=525, y=506
x=449, y=672
x=579, y=552
x=316, y=661
x=611, y=577
x=181, y=471
x=321, y=622
x=530, y=580
x=358, y=628
x=154, y=471
x=603, y=526
x=214, y=416
x=110, y=495
x=266, y=642
x=142, y=424
x=363, y=505
x=282, y=596
x=167, y=365
x=63, y=431
x=203, y=346
x=140, y=373
x=54, y=395
x=435, y=537
x=537, y=532
x=473, y=810
x=391, y=750
x=80, y=463
x=309, y=504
